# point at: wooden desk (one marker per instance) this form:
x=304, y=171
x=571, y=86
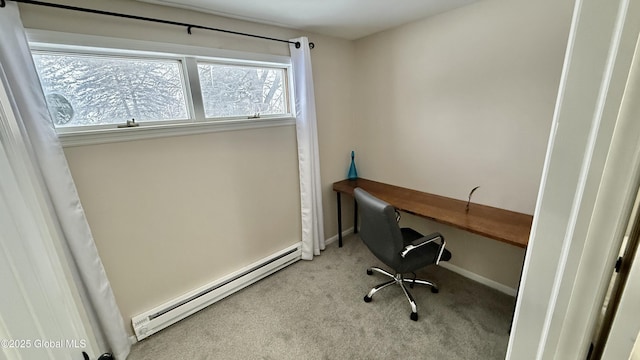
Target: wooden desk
x=499, y=224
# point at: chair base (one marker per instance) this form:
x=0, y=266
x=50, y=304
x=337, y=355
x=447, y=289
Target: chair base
x=400, y=280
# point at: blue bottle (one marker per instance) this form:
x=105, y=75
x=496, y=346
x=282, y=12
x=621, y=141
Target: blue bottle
x=353, y=173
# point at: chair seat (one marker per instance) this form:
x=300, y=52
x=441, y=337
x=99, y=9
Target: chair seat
x=422, y=256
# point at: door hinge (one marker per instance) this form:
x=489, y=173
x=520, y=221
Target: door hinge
x=618, y=264
x=105, y=356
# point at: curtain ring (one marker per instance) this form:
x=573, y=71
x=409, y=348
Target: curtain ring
x=311, y=45
x=2, y=3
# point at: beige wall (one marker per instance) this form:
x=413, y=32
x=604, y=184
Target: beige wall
x=174, y=213
x=460, y=100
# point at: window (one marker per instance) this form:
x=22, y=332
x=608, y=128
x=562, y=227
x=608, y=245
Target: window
x=229, y=90
x=89, y=90
x=98, y=90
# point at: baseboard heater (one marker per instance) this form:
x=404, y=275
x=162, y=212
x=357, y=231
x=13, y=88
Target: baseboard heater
x=179, y=308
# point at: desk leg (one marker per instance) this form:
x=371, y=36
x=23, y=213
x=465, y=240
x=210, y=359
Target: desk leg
x=355, y=216
x=339, y=219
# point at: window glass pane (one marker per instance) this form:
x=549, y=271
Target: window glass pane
x=84, y=90
x=229, y=90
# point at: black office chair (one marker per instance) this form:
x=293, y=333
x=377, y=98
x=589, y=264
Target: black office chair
x=402, y=249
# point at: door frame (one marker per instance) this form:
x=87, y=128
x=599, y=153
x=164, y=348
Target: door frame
x=587, y=188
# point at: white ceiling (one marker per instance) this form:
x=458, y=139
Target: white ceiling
x=349, y=19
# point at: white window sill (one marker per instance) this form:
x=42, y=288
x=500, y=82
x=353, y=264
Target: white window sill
x=93, y=137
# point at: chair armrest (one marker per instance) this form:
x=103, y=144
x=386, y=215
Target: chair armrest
x=424, y=241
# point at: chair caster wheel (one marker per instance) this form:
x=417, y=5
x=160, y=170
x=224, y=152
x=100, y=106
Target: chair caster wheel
x=367, y=298
x=435, y=290
x=369, y=272
x=414, y=316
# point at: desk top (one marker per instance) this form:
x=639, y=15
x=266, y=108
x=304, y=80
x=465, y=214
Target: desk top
x=499, y=224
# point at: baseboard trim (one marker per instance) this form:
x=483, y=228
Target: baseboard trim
x=335, y=237
x=479, y=278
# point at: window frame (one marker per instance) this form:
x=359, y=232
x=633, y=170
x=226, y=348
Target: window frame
x=52, y=49
x=188, y=56
x=239, y=63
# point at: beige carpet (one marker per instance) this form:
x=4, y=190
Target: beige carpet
x=315, y=310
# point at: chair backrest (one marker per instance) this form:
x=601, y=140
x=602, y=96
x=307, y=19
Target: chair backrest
x=379, y=229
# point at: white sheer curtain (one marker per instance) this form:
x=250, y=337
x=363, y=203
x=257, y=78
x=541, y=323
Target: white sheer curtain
x=38, y=134
x=308, y=154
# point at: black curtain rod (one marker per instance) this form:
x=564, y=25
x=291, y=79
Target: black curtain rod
x=135, y=17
